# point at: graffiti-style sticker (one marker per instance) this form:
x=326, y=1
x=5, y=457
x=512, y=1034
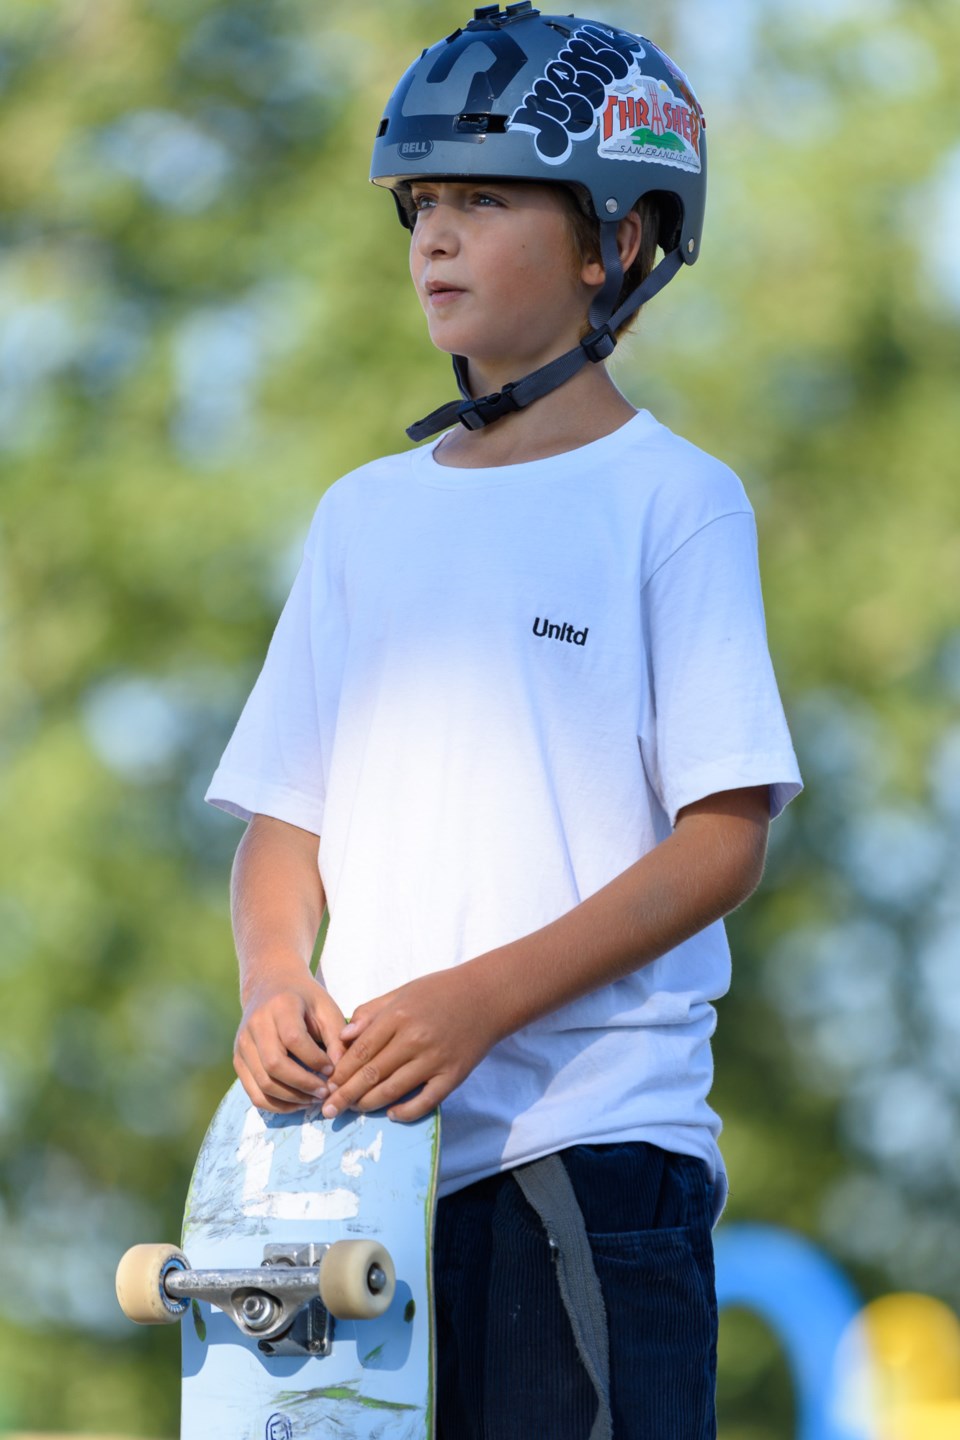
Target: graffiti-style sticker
x=597, y=85
x=564, y=104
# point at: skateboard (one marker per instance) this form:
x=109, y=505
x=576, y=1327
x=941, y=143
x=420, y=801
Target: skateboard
x=304, y=1281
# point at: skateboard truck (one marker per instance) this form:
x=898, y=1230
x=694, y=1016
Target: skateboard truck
x=288, y=1304
x=267, y=1303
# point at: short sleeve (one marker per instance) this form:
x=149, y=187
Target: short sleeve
x=714, y=720
x=275, y=763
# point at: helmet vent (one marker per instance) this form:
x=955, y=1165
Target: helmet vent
x=382, y=130
x=481, y=124
x=490, y=15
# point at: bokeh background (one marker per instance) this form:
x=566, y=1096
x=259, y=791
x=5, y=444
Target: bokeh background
x=205, y=318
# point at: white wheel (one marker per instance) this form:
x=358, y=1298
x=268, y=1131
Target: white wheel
x=140, y=1287
x=357, y=1279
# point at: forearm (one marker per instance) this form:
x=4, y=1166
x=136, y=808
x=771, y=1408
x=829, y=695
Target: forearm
x=422, y=1040
x=708, y=866
x=277, y=901
x=288, y=1038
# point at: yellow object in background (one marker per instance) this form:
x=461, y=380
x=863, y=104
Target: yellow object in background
x=913, y=1390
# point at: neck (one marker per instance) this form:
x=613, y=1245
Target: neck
x=586, y=408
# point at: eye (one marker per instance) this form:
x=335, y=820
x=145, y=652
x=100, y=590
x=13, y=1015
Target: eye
x=422, y=200
x=484, y=198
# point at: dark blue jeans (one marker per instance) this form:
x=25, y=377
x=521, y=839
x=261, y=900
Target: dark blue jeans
x=508, y=1367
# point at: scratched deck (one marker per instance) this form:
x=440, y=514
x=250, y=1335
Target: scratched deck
x=265, y=1179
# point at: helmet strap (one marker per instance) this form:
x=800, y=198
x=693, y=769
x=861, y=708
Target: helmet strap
x=476, y=413
x=460, y=363
x=605, y=300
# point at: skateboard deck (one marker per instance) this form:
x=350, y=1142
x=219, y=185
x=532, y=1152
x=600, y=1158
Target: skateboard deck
x=297, y=1348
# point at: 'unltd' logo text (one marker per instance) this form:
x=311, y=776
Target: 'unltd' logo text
x=544, y=630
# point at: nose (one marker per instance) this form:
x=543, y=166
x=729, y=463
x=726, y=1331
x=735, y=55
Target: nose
x=435, y=231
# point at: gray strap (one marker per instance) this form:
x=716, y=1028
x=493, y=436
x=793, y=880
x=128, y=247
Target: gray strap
x=605, y=300
x=546, y=1186
x=474, y=414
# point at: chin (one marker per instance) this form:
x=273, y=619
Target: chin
x=444, y=342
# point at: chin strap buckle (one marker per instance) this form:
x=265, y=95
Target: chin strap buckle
x=475, y=414
x=599, y=344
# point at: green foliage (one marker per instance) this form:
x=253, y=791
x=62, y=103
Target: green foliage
x=665, y=142
x=204, y=319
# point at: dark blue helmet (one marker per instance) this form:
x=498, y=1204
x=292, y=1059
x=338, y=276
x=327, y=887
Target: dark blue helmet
x=522, y=96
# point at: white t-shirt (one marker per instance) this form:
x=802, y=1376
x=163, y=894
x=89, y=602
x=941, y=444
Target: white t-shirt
x=490, y=692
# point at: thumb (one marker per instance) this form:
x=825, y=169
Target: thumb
x=359, y=1020
x=329, y=1021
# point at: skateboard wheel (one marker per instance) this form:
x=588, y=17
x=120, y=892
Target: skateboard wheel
x=357, y=1279
x=140, y=1288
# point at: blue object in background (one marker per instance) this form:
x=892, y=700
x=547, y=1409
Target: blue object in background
x=807, y=1302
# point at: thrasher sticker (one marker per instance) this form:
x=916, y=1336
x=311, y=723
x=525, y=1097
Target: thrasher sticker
x=648, y=122
x=596, y=84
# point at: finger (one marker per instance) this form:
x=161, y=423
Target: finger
x=328, y=1034
x=396, y=1082
x=365, y=1053
x=255, y=1093
x=325, y=1020
x=365, y=1014
x=421, y=1104
x=353, y=1078
x=279, y=1077
x=361, y=1019
x=401, y=1086
x=285, y=1079
x=296, y=1040
x=358, y=1023
x=286, y=1051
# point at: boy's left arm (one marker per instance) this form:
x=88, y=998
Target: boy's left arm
x=433, y=1031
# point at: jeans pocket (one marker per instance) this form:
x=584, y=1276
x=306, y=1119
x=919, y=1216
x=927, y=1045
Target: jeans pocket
x=662, y=1323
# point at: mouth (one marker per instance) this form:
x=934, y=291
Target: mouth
x=436, y=289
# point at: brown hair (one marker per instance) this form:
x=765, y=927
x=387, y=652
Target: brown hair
x=585, y=234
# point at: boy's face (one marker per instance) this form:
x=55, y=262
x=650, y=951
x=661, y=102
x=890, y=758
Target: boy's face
x=494, y=269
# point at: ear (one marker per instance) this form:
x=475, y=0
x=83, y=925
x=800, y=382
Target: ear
x=629, y=235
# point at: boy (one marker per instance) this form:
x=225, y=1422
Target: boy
x=521, y=690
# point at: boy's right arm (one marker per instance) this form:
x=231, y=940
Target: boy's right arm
x=277, y=904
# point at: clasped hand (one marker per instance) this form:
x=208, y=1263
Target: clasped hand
x=294, y=1047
